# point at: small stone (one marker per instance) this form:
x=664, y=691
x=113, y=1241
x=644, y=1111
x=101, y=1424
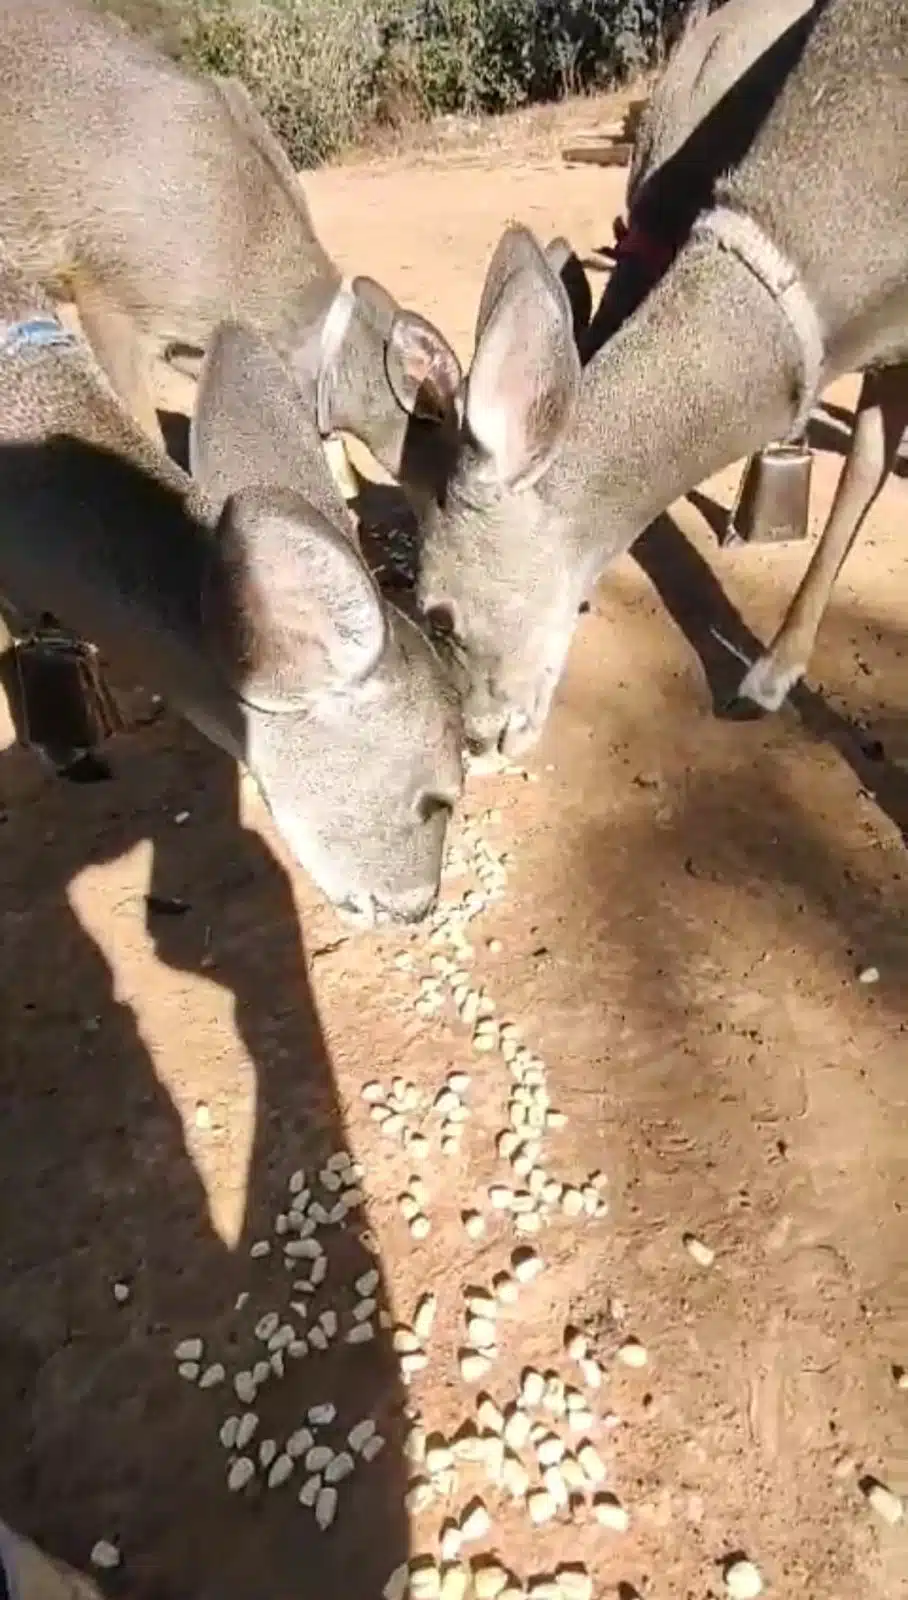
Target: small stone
x=424, y=1314
x=482, y=1332
x=228, y=1432
x=241, y=1473
x=267, y=1452
x=105, y=1555
x=326, y=1507
x=420, y=1226
x=884, y=1502
x=514, y=1477
x=362, y=1333
x=532, y=1387
x=299, y=1442
x=425, y=1578
x=742, y=1579
x=419, y=1494
x=396, y=1586
x=572, y=1201
x=507, y=1290
x=540, y=1506
x=455, y=1582
x=703, y=1254
x=280, y=1471
x=610, y=1513
x=900, y=1374
x=576, y=1344
x=246, y=1429
x=475, y=1521
x=869, y=975
x=309, y=1492
x=373, y=1447
x=501, y=1198
x=340, y=1467
x=632, y=1354
x=262, y=1247
x=550, y=1450
x=526, y=1264
x=212, y=1376
x=474, y=1224
x=189, y=1371
x=121, y=1293
x=450, y=1540
x=591, y=1372
x=591, y=1462
x=516, y=1428
x=489, y=1580
x=439, y=1457
x=189, y=1350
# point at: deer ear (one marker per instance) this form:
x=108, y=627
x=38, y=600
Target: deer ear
x=423, y=371
x=526, y=371
x=566, y=265
x=289, y=609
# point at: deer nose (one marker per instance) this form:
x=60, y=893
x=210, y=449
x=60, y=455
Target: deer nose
x=410, y=906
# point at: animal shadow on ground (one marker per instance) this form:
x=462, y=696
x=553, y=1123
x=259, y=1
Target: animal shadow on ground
x=102, y=1437
x=698, y=604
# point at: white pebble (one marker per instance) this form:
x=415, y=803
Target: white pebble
x=261, y=1373
x=540, y=1506
x=246, y=1428
x=869, y=975
x=886, y=1504
x=474, y=1224
x=189, y=1371
x=267, y=1452
x=340, y=1468
x=516, y=1428
x=574, y=1582
x=554, y=1483
x=532, y=1387
x=322, y=1415
x=526, y=1264
x=550, y=1450
x=299, y=1442
x=362, y=1311
x=743, y=1580
x=420, y=1227
x=241, y=1473
x=362, y=1333
x=373, y=1447
x=360, y=1433
x=281, y=1471
x=326, y=1507
x=262, y=1247
x=473, y=1365
x=105, y=1555
x=424, y=1314
x=591, y=1372
x=397, y=1584
x=310, y=1490
x=633, y=1354
x=266, y=1326
x=319, y=1457
x=368, y=1283
x=475, y=1522
x=591, y=1462
x=481, y=1332
x=228, y=1432
x=212, y=1376
x=121, y=1293
x=189, y=1350
x=703, y=1254
x=610, y=1513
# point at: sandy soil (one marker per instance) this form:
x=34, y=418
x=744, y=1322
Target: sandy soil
x=688, y=904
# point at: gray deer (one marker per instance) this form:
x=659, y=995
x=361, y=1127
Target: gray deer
x=162, y=205
x=240, y=596
x=795, y=273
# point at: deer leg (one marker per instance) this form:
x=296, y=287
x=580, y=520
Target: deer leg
x=881, y=419
x=114, y=338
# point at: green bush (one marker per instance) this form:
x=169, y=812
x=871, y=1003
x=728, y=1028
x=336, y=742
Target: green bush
x=324, y=71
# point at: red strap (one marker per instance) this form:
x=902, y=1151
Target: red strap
x=635, y=244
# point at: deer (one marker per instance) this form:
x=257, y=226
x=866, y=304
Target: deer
x=793, y=273
x=238, y=592
x=161, y=205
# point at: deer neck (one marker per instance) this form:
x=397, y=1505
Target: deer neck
x=708, y=369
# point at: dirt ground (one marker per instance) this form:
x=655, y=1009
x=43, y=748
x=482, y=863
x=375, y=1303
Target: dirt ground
x=687, y=908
